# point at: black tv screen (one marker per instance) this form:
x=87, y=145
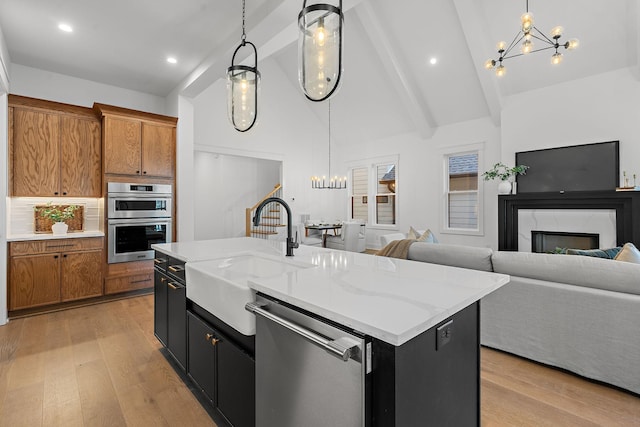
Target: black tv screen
x=588, y=167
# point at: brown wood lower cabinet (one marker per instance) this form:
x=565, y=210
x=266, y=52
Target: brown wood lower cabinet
x=46, y=272
x=128, y=276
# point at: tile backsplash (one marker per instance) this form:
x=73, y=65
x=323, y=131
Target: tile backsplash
x=20, y=218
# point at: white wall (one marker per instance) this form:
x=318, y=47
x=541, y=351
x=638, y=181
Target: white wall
x=225, y=186
x=36, y=83
x=595, y=109
x=5, y=69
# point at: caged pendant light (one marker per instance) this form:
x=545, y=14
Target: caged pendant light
x=320, y=49
x=242, y=87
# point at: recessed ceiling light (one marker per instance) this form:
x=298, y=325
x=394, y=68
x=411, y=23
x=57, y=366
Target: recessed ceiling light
x=433, y=60
x=172, y=60
x=65, y=27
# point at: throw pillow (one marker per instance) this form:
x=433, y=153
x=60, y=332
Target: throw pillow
x=629, y=253
x=426, y=237
x=598, y=253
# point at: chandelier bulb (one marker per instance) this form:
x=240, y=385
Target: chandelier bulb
x=527, y=22
x=556, y=58
x=320, y=34
x=572, y=44
x=501, y=46
x=500, y=70
x=527, y=46
x=556, y=32
x=490, y=64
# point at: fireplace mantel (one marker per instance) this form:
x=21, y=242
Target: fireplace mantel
x=625, y=203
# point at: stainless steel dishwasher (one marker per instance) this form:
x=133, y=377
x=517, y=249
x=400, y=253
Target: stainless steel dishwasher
x=308, y=372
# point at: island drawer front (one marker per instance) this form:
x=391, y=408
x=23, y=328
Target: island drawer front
x=175, y=269
x=161, y=261
x=32, y=247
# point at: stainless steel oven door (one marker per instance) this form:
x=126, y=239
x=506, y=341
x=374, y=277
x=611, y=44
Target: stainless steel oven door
x=138, y=206
x=131, y=239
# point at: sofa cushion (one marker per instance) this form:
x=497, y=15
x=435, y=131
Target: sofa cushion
x=575, y=270
x=453, y=255
x=629, y=253
x=598, y=253
x=426, y=236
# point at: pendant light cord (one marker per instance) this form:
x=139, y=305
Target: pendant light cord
x=329, y=140
x=244, y=35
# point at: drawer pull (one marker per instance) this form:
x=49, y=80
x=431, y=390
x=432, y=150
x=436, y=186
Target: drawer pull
x=60, y=246
x=176, y=268
x=172, y=286
x=159, y=261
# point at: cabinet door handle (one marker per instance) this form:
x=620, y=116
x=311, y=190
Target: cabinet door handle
x=64, y=193
x=145, y=172
x=64, y=256
x=163, y=279
x=138, y=172
x=55, y=257
x=210, y=338
x=55, y=194
x=176, y=268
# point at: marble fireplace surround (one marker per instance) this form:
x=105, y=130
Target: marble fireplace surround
x=613, y=215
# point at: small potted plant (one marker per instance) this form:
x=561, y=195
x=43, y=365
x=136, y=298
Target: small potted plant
x=58, y=215
x=505, y=174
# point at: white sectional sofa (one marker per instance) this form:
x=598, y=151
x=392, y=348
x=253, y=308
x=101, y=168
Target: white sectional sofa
x=574, y=312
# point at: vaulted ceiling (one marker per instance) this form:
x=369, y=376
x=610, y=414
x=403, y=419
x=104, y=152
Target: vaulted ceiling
x=389, y=84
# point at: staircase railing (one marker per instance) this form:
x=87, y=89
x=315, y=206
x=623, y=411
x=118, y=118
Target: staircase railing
x=270, y=219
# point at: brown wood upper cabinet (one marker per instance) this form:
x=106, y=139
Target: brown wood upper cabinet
x=137, y=143
x=54, y=149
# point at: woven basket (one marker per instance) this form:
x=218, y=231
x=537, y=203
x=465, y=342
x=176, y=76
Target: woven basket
x=43, y=225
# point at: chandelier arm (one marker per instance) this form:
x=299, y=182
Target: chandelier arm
x=533, y=51
x=513, y=44
x=547, y=39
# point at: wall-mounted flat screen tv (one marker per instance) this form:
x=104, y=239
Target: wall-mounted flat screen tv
x=588, y=167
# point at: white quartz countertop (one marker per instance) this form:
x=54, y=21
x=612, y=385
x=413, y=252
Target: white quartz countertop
x=390, y=299
x=49, y=236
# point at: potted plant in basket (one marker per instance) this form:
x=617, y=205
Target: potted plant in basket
x=505, y=174
x=58, y=215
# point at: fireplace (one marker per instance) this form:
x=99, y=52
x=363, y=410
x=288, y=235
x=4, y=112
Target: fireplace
x=548, y=241
x=626, y=205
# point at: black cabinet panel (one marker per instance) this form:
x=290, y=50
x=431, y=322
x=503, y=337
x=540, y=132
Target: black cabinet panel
x=177, y=321
x=160, y=307
x=236, y=385
x=202, y=356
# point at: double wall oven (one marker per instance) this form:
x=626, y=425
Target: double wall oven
x=138, y=216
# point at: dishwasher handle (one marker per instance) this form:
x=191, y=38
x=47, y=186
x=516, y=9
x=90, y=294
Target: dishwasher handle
x=343, y=348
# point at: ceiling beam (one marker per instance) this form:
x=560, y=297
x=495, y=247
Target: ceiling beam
x=633, y=37
x=276, y=30
x=404, y=85
x=474, y=29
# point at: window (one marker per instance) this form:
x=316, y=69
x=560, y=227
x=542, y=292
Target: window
x=462, y=204
x=359, y=194
x=374, y=197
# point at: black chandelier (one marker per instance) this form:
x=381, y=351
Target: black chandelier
x=333, y=182
x=242, y=87
x=528, y=32
x=320, y=49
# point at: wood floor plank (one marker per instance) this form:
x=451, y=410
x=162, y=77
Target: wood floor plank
x=141, y=408
x=23, y=406
x=100, y=405
x=9, y=338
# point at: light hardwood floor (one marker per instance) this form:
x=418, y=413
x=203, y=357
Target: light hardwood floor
x=101, y=366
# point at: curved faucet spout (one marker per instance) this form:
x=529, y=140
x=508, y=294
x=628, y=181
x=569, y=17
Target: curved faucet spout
x=291, y=243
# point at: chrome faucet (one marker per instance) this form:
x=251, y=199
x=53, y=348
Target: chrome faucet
x=291, y=243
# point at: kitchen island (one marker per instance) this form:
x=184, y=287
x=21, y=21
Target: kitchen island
x=418, y=326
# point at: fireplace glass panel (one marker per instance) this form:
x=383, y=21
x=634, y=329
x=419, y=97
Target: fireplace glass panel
x=548, y=241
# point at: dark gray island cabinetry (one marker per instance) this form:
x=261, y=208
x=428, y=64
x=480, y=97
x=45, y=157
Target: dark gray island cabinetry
x=217, y=360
